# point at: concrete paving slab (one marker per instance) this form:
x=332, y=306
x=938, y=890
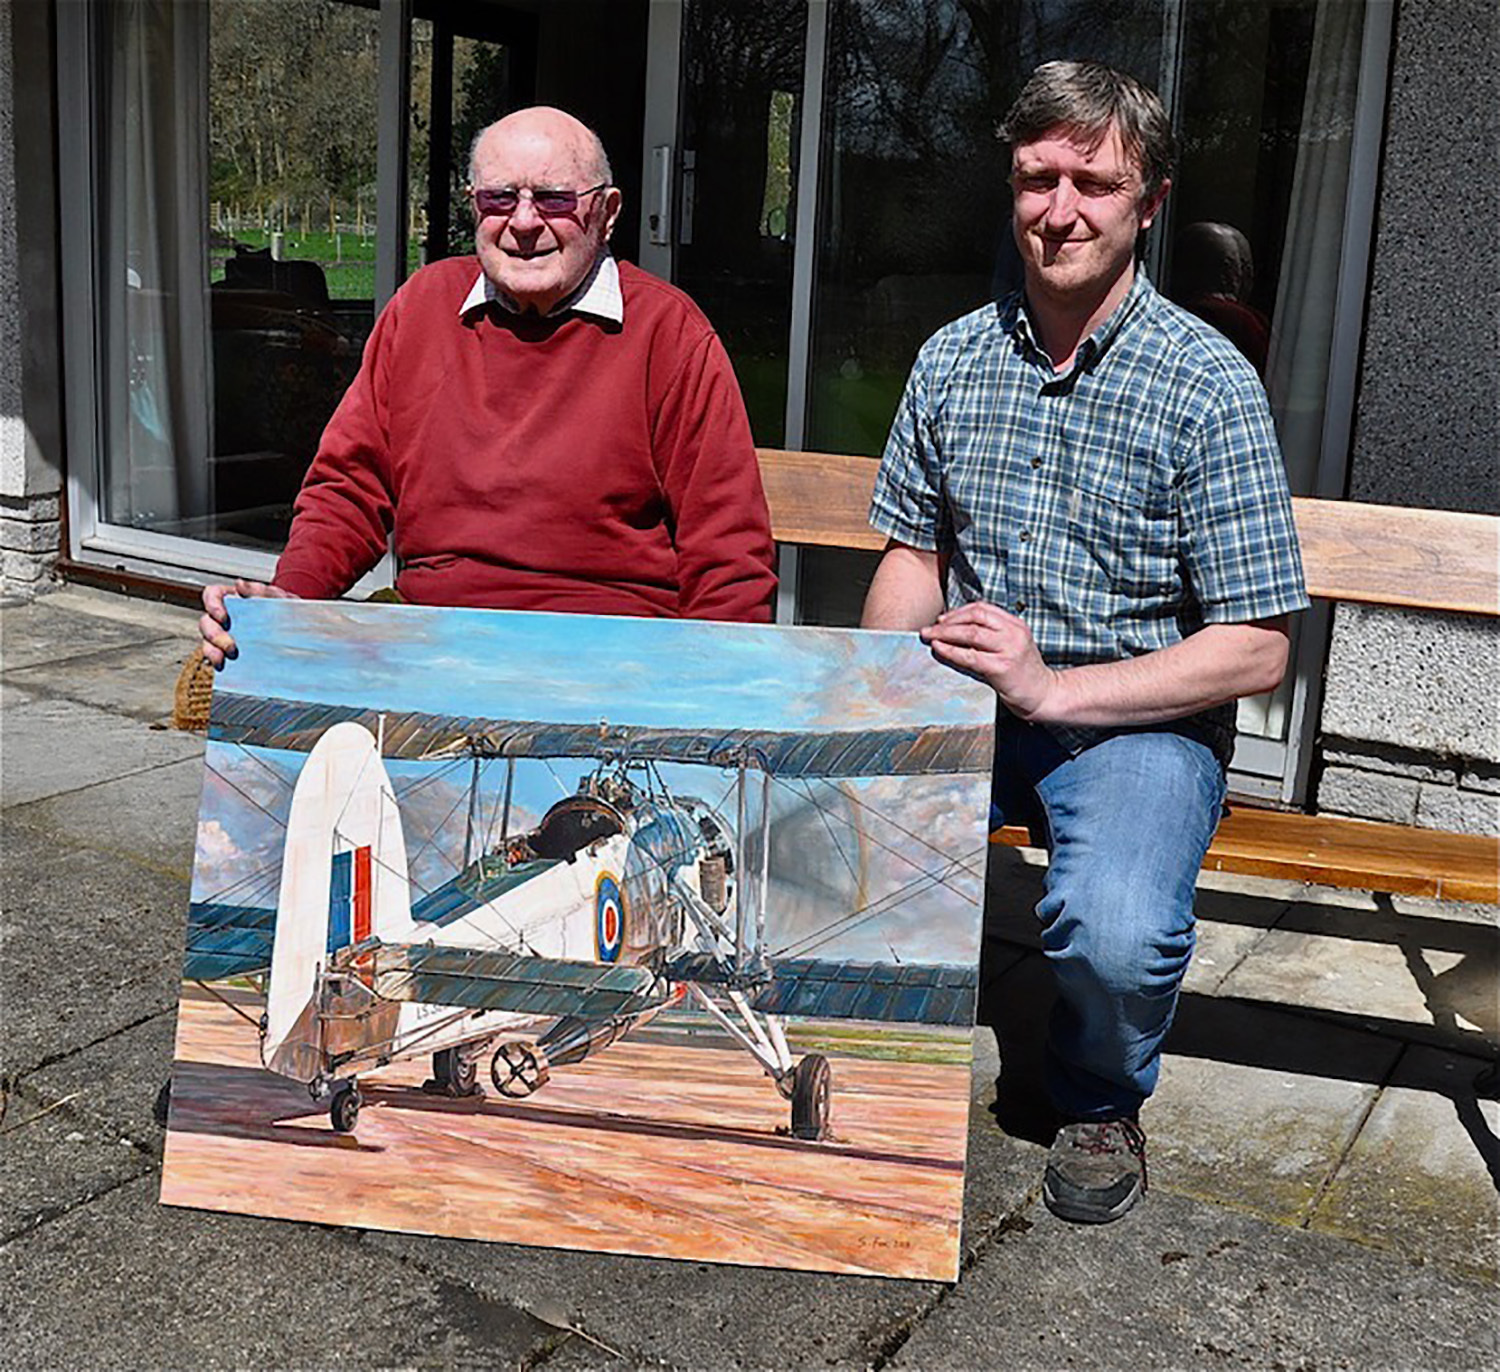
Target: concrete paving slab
x=1394, y=972
x=114, y=1083
x=53, y=746
x=684, y=1314
x=1422, y=1178
x=54, y=628
x=55, y=1156
x=93, y=943
x=153, y=615
x=1413, y=907
x=690, y=1314
x=138, y=680
x=1261, y=1138
x=1230, y=924
x=1178, y=1283
x=151, y=816
x=1003, y=1177
x=11, y=696
x=124, y=1282
x=1259, y=904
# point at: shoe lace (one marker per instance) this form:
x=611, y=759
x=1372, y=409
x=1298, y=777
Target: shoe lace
x=1107, y=1136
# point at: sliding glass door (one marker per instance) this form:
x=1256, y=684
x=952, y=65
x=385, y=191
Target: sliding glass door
x=245, y=181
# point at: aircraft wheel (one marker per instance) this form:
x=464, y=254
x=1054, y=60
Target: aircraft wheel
x=456, y=1073
x=812, y=1093
x=517, y=1071
x=343, y=1110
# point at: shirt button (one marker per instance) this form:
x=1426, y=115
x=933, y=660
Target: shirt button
x=1020, y=607
x=1036, y=462
x=1025, y=535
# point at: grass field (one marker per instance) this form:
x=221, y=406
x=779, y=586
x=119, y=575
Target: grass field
x=348, y=261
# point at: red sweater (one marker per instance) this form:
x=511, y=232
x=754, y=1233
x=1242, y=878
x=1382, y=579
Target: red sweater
x=568, y=464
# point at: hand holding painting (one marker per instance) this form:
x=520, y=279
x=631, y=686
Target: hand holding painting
x=213, y=624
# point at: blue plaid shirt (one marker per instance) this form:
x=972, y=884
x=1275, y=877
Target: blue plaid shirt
x=1117, y=508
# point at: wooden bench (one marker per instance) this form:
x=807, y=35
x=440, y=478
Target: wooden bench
x=1371, y=554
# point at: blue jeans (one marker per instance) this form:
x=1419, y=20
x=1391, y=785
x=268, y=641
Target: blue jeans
x=1126, y=824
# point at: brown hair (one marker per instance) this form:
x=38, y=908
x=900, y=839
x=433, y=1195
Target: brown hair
x=1085, y=98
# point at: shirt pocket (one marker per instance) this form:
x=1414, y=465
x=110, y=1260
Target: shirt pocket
x=1123, y=517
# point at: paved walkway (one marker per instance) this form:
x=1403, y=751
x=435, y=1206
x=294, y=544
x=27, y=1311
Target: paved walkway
x=1324, y=1180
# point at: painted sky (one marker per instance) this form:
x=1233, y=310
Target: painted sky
x=870, y=869
x=582, y=668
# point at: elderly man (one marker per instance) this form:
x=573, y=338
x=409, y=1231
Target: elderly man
x=1086, y=508
x=545, y=429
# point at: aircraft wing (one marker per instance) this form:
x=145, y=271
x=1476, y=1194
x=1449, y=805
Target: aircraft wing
x=227, y=940
x=907, y=993
x=934, y=749
x=488, y=979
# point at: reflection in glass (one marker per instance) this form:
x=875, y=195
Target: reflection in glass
x=741, y=122
x=237, y=248
x=292, y=242
x=1267, y=130
x=915, y=215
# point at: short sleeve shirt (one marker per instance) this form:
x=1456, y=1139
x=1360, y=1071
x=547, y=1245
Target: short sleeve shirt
x=1117, y=508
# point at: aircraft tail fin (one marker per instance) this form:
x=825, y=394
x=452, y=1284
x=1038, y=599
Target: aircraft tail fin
x=343, y=879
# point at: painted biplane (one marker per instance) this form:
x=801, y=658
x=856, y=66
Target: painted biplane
x=554, y=941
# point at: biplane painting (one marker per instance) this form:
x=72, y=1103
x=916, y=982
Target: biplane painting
x=652, y=937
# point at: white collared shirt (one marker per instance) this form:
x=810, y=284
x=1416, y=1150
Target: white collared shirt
x=599, y=295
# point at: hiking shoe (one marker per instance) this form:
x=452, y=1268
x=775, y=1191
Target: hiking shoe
x=1096, y=1170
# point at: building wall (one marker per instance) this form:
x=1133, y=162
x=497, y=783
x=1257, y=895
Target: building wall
x=30, y=418
x=1411, y=714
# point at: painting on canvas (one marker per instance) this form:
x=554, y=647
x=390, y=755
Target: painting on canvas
x=653, y=937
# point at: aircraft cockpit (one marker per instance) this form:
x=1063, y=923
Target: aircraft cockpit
x=573, y=824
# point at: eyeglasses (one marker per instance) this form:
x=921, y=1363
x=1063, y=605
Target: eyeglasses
x=547, y=202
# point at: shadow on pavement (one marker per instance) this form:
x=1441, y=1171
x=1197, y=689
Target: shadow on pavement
x=1016, y=993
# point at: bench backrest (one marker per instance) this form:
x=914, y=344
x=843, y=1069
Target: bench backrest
x=1374, y=554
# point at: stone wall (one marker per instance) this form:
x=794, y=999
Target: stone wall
x=30, y=425
x=1411, y=713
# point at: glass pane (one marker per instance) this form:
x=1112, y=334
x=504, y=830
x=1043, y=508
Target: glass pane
x=292, y=246
x=237, y=242
x=1257, y=214
x=465, y=84
x=915, y=213
x=915, y=216
x=1257, y=231
x=741, y=121
x=487, y=59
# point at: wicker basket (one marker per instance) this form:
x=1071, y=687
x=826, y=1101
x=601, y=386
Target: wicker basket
x=194, y=692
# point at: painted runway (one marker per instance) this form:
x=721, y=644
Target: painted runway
x=662, y=1146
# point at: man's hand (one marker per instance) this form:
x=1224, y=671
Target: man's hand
x=213, y=624
x=988, y=643
x=1216, y=664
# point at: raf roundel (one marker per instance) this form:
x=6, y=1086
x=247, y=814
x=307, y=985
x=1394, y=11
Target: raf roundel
x=609, y=923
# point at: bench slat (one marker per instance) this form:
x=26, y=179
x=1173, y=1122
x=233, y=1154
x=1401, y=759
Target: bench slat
x=819, y=499
x=1375, y=554
x=1388, y=555
x=1355, y=854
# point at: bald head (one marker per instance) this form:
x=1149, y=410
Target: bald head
x=538, y=258
x=557, y=127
